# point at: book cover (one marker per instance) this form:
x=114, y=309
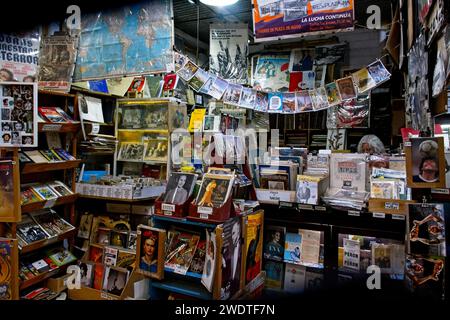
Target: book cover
x=60, y=188
x=50, y=156
x=292, y=247
x=115, y=280
x=51, y=114
x=310, y=250
x=29, y=196
x=45, y=192
x=64, y=154
x=425, y=275
x=30, y=231
x=52, y=223
x=307, y=189
x=36, y=156
x=294, y=278
x=214, y=190
x=274, y=274
x=99, y=271
x=253, y=243
x=182, y=253
x=87, y=273
x=62, y=257
x=198, y=261
x=125, y=258
x=110, y=256
x=381, y=257
x=426, y=225
x=348, y=171
x=274, y=239
x=96, y=254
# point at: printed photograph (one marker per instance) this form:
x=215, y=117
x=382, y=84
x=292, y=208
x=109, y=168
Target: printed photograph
x=131, y=151
x=248, y=98
x=346, y=88
x=289, y=105
x=274, y=242
x=332, y=94
x=150, y=251
x=425, y=163
x=179, y=187
x=232, y=94
x=304, y=102
x=115, y=280
x=188, y=71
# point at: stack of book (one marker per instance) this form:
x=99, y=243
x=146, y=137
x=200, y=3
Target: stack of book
x=98, y=144
x=318, y=140
x=318, y=165
x=45, y=156
x=389, y=184
x=36, y=192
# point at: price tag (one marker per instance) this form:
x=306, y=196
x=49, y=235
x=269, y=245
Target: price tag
x=168, y=207
x=392, y=205
x=50, y=203
x=51, y=127
x=104, y=296
x=398, y=217
x=354, y=213
x=379, y=215
x=204, y=216
x=305, y=207
x=320, y=208
x=205, y=210
x=95, y=128
x=286, y=204
x=167, y=213
x=440, y=191
x=407, y=144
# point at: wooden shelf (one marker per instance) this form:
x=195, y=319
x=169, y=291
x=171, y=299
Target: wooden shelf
x=50, y=166
x=86, y=293
x=59, y=127
x=49, y=203
x=165, y=131
x=82, y=196
x=192, y=289
x=43, y=276
x=56, y=93
x=152, y=162
x=45, y=242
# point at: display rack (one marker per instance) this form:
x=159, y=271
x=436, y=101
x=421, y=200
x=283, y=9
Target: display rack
x=44, y=172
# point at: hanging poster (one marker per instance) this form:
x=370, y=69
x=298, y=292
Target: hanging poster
x=18, y=114
x=272, y=73
x=228, y=49
x=57, y=61
x=281, y=19
x=134, y=39
x=19, y=55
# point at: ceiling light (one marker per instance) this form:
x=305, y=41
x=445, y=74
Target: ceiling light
x=218, y=3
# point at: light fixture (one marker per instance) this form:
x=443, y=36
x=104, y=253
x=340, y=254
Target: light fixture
x=219, y=3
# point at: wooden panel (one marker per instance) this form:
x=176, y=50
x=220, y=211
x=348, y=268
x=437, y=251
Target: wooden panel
x=51, y=166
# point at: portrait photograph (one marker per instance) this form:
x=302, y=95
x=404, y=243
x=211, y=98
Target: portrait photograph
x=87, y=273
x=150, y=251
x=346, y=88
x=179, y=187
x=156, y=150
x=115, y=280
x=131, y=118
x=425, y=163
x=232, y=258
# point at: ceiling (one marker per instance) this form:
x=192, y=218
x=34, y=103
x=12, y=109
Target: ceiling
x=185, y=15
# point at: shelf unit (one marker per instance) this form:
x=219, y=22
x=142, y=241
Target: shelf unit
x=45, y=172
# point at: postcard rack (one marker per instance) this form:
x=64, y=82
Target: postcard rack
x=212, y=214
x=172, y=210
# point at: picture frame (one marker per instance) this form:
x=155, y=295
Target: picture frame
x=425, y=163
x=150, y=262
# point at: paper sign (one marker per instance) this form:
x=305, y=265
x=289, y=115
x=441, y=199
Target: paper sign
x=351, y=254
x=168, y=207
x=205, y=210
x=51, y=127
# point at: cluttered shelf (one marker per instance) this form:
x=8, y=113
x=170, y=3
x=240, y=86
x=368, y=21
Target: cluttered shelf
x=52, y=166
x=163, y=131
x=46, y=242
x=43, y=276
x=61, y=127
x=83, y=196
x=34, y=206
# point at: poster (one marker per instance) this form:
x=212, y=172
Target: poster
x=18, y=114
x=253, y=246
x=232, y=256
x=19, y=55
x=57, y=61
x=281, y=19
x=134, y=39
x=272, y=73
x=228, y=49
x=7, y=274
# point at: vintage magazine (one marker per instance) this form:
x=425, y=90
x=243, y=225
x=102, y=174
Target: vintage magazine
x=294, y=278
x=274, y=238
x=214, y=190
x=274, y=274
x=348, y=171
x=57, y=61
x=253, y=244
x=292, y=248
x=310, y=250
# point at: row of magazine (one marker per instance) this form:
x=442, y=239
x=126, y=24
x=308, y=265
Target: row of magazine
x=41, y=225
x=331, y=94
x=54, y=115
x=45, y=156
x=36, y=192
x=46, y=262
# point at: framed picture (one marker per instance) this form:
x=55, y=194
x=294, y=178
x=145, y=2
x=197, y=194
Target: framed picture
x=131, y=151
x=115, y=280
x=150, y=251
x=425, y=164
x=19, y=114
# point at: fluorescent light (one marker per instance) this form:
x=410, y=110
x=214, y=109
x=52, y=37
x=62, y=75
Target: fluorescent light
x=218, y=3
